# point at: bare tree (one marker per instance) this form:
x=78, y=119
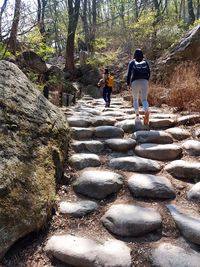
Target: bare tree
x=40, y=16
x=191, y=14
x=12, y=42
x=73, y=13
x=1, y=14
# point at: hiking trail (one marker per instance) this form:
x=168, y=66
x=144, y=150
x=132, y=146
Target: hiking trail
x=132, y=193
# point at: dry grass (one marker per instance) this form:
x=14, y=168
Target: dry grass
x=183, y=92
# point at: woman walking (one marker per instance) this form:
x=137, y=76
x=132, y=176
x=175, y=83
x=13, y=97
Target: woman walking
x=137, y=79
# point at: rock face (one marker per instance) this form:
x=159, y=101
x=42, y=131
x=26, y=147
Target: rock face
x=33, y=141
x=85, y=252
x=186, y=49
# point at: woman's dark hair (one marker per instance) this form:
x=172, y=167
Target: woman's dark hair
x=138, y=55
x=105, y=71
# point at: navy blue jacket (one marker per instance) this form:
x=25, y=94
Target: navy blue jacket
x=135, y=74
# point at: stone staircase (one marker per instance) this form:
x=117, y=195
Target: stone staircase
x=133, y=195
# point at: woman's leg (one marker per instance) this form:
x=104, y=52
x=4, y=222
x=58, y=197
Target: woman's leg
x=105, y=94
x=145, y=103
x=135, y=92
x=109, y=95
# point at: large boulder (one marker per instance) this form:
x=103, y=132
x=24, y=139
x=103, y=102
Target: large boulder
x=33, y=141
x=187, y=49
x=31, y=60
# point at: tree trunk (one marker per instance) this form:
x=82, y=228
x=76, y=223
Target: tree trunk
x=136, y=10
x=40, y=17
x=73, y=12
x=198, y=9
x=13, y=35
x=85, y=23
x=191, y=18
x=93, y=27
x=1, y=14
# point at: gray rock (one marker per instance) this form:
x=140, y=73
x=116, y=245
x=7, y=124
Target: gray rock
x=135, y=164
x=81, y=161
x=113, y=113
x=197, y=132
x=120, y=145
x=178, y=133
x=157, y=137
x=98, y=184
x=126, y=125
x=194, y=193
x=85, y=252
x=82, y=133
x=158, y=152
x=163, y=116
x=168, y=255
x=79, y=122
x=90, y=111
x=188, y=225
x=102, y=121
x=189, y=119
x=108, y=132
x=181, y=52
x=184, y=169
x=31, y=60
x=131, y=220
x=77, y=209
x=93, y=146
x=161, y=123
x=150, y=186
x=29, y=163
x=192, y=147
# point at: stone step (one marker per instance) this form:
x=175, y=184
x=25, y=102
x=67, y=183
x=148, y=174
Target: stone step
x=150, y=186
x=83, y=160
x=93, y=146
x=184, y=169
x=126, y=125
x=188, y=224
x=108, y=132
x=79, y=122
x=192, y=147
x=98, y=184
x=178, y=133
x=77, y=209
x=189, y=119
x=81, y=133
x=194, y=193
x=120, y=145
x=162, y=152
x=84, y=252
x=170, y=255
x=135, y=164
x=161, y=123
x=157, y=137
x=131, y=220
